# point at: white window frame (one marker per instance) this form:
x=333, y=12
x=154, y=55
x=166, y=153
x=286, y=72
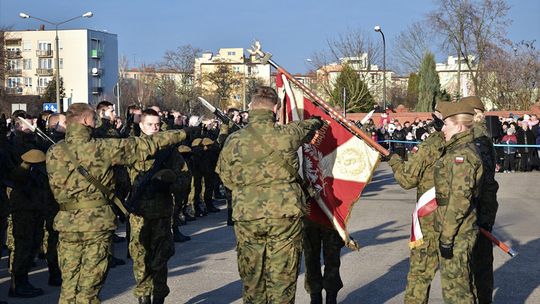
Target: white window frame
x=27, y=64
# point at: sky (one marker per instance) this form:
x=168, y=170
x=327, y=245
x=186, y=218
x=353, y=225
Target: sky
x=291, y=30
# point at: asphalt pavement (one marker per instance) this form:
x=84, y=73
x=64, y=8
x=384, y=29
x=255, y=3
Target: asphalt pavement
x=204, y=269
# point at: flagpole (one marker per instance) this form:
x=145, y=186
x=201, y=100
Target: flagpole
x=327, y=108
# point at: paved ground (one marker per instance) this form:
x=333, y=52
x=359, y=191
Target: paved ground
x=204, y=269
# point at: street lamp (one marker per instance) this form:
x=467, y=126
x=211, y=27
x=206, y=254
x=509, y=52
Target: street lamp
x=57, y=55
x=378, y=29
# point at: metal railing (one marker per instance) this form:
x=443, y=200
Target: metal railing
x=44, y=53
x=44, y=72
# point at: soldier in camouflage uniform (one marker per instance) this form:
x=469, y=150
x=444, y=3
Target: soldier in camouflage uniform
x=314, y=236
x=268, y=202
x=458, y=177
x=86, y=220
x=487, y=204
x=417, y=172
x=151, y=241
x=205, y=154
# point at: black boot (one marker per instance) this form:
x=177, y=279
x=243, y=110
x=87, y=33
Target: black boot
x=116, y=262
x=210, y=207
x=199, y=212
x=331, y=297
x=144, y=300
x=181, y=219
x=188, y=216
x=55, y=279
x=158, y=300
x=179, y=237
x=316, y=298
x=21, y=288
x=118, y=239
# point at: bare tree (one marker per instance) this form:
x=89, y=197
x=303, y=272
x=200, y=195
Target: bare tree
x=471, y=28
x=411, y=45
x=223, y=83
x=182, y=59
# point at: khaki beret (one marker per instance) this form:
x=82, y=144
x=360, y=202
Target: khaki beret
x=33, y=157
x=207, y=141
x=455, y=108
x=440, y=106
x=196, y=142
x=184, y=149
x=474, y=102
x=165, y=175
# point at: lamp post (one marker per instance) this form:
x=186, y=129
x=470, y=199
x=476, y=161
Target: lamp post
x=57, y=55
x=378, y=29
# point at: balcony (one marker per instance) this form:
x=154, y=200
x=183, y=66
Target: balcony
x=14, y=72
x=44, y=72
x=96, y=54
x=13, y=42
x=96, y=72
x=97, y=90
x=14, y=91
x=14, y=54
x=44, y=53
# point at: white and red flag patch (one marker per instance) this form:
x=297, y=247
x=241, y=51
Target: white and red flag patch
x=426, y=205
x=338, y=168
x=459, y=160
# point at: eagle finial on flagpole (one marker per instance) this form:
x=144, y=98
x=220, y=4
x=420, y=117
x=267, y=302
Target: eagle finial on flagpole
x=255, y=50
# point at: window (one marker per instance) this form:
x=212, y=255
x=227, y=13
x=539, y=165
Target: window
x=372, y=78
x=61, y=63
x=236, y=69
x=27, y=64
x=43, y=81
x=45, y=63
x=44, y=45
x=231, y=53
x=27, y=45
x=28, y=81
x=14, y=82
x=14, y=64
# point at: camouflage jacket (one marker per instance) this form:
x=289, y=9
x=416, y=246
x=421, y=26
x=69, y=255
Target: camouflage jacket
x=262, y=187
x=97, y=156
x=487, y=204
x=154, y=203
x=418, y=170
x=458, y=175
x=106, y=130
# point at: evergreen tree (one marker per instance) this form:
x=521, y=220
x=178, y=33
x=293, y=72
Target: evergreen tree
x=412, y=91
x=358, y=97
x=428, y=84
x=50, y=90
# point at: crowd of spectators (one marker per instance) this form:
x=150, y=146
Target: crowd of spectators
x=516, y=139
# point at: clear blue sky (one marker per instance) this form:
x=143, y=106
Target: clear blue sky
x=292, y=30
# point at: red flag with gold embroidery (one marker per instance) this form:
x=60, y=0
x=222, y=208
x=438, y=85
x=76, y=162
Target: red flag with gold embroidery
x=339, y=167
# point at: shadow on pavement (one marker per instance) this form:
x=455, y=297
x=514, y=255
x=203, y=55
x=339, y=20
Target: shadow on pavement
x=226, y=294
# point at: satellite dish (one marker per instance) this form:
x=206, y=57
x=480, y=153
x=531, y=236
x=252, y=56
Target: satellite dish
x=94, y=70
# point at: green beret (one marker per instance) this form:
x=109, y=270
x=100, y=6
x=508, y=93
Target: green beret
x=474, y=102
x=165, y=175
x=33, y=156
x=455, y=108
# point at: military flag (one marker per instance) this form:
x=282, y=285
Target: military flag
x=338, y=167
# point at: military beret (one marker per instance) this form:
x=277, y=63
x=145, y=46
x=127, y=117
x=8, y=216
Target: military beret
x=33, y=156
x=165, y=175
x=474, y=102
x=207, y=141
x=455, y=108
x=440, y=106
x=196, y=142
x=184, y=149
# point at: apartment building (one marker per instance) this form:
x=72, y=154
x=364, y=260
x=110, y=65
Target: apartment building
x=246, y=68
x=88, y=63
x=448, y=77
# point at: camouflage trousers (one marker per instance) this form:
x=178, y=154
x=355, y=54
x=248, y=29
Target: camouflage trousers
x=27, y=237
x=423, y=264
x=150, y=245
x=269, y=252
x=84, y=260
x=456, y=274
x=314, y=236
x=482, y=266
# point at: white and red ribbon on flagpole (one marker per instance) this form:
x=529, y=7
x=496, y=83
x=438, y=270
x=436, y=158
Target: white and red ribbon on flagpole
x=426, y=204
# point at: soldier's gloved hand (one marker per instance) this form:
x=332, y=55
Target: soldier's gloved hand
x=447, y=250
x=486, y=226
x=319, y=119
